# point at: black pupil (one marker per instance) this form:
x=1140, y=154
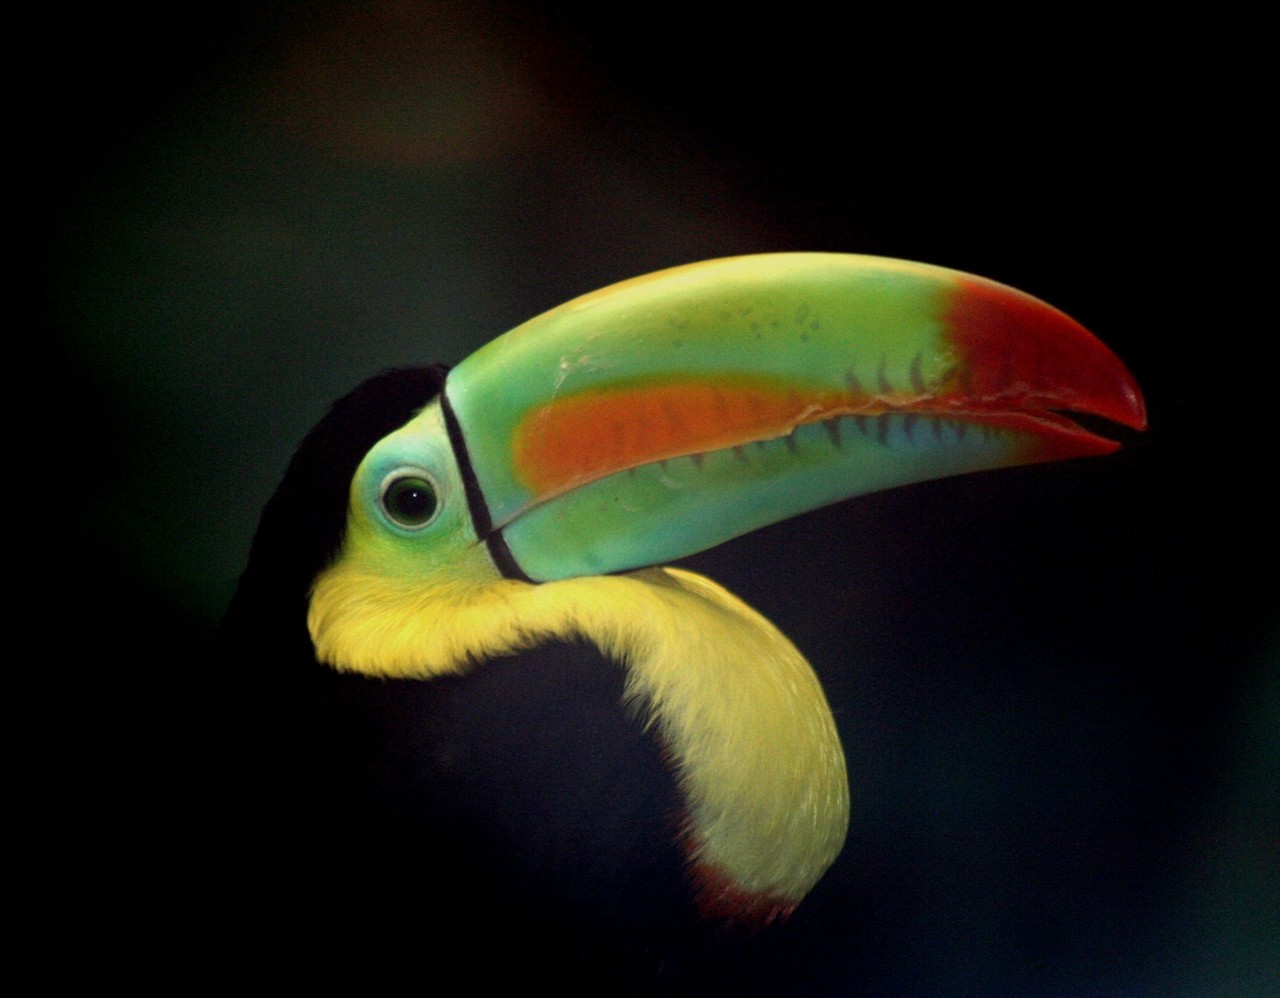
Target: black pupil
x=411, y=501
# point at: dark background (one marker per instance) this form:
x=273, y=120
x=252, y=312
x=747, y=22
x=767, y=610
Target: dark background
x=1057, y=686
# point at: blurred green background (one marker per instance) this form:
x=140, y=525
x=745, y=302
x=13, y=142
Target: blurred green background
x=1057, y=686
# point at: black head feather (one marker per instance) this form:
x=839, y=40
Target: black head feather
x=303, y=525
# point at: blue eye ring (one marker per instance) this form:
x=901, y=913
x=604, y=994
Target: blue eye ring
x=410, y=498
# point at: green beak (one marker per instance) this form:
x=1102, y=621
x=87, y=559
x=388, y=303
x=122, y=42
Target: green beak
x=664, y=415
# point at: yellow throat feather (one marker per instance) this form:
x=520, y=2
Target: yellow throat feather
x=737, y=707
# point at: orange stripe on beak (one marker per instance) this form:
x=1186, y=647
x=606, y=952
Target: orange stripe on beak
x=580, y=438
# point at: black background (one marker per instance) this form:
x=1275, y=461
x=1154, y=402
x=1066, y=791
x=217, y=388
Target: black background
x=1057, y=686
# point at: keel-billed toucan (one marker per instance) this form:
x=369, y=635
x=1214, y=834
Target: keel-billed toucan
x=441, y=524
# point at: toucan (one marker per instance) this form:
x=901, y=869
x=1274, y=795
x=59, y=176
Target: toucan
x=463, y=562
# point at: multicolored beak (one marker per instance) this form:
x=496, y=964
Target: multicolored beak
x=666, y=414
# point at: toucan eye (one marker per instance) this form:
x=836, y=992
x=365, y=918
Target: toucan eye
x=410, y=499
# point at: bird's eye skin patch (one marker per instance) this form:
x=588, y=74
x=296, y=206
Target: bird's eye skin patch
x=410, y=498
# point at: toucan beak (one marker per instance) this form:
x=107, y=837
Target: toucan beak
x=664, y=415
